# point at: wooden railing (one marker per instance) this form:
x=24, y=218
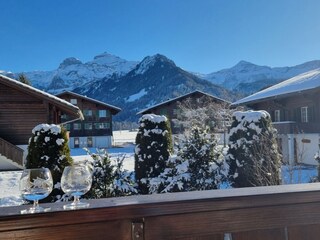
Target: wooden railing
x=288, y=212
x=11, y=152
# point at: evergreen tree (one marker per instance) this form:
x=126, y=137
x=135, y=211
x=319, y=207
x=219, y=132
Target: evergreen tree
x=253, y=156
x=109, y=179
x=153, y=149
x=48, y=147
x=23, y=78
x=203, y=159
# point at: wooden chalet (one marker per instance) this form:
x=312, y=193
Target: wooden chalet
x=294, y=106
x=96, y=128
x=171, y=108
x=22, y=107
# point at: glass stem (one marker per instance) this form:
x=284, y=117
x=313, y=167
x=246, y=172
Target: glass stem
x=76, y=199
x=36, y=204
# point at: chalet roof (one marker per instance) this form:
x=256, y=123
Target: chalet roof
x=114, y=109
x=302, y=82
x=179, y=98
x=62, y=104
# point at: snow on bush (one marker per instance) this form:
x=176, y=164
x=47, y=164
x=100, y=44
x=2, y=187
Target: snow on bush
x=153, y=149
x=253, y=158
x=201, y=154
x=48, y=147
x=109, y=179
x=196, y=166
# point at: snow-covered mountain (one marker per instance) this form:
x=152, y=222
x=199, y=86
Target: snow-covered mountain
x=154, y=80
x=134, y=85
x=73, y=73
x=247, y=78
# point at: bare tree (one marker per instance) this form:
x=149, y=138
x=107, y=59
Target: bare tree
x=204, y=113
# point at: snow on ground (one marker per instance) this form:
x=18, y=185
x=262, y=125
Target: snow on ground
x=9, y=185
x=126, y=151
x=9, y=180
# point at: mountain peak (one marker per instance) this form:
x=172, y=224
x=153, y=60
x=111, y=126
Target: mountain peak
x=69, y=61
x=150, y=61
x=243, y=63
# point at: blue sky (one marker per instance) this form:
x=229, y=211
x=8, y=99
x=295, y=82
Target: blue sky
x=199, y=35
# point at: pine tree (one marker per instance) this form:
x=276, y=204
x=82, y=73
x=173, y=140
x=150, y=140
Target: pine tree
x=253, y=156
x=203, y=159
x=153, y=149
x=23, y=78
x=48, y=147
x=109, y=179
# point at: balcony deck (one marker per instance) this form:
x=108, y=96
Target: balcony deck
x=287, y=212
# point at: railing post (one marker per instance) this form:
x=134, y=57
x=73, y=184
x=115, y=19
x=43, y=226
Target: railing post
x=137, y=229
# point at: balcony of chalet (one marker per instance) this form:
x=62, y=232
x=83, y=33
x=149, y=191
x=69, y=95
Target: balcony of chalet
x=286, y=127
x=292, y=127
x=287, y=212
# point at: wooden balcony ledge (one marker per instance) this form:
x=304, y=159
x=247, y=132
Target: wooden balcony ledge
x=279, y=212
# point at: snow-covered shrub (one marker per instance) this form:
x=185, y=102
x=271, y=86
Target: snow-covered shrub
x=48, y=147
x=173, y=178
x=110, y=179
x=253, y=156
x=196, y=166
x=153, y=148
x=202, y=157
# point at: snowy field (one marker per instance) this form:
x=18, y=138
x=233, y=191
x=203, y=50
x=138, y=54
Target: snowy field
x=9, y=180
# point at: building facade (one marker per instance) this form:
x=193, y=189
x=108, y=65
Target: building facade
x=96, y=128
x=294, y=106
x=22, y=107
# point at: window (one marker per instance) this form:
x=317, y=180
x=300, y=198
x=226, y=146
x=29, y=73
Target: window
x=88, y=126
x=77, y=126
x=102, y=125
x=102, y=113
x=277, y=116
x=73, y=101
x=304, y=114
x=87, y=112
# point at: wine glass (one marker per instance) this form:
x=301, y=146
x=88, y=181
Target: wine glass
x=76, y=180
x=35, y=184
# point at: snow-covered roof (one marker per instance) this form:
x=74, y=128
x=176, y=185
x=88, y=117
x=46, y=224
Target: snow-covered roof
x=66, y=106
x=178, y=98
x=115, y=109
x=299, y=83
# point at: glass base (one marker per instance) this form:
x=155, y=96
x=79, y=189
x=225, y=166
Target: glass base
x=76, y=205
x=35, y=210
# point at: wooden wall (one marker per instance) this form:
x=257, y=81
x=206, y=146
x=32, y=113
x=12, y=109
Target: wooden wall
x=19, y=114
